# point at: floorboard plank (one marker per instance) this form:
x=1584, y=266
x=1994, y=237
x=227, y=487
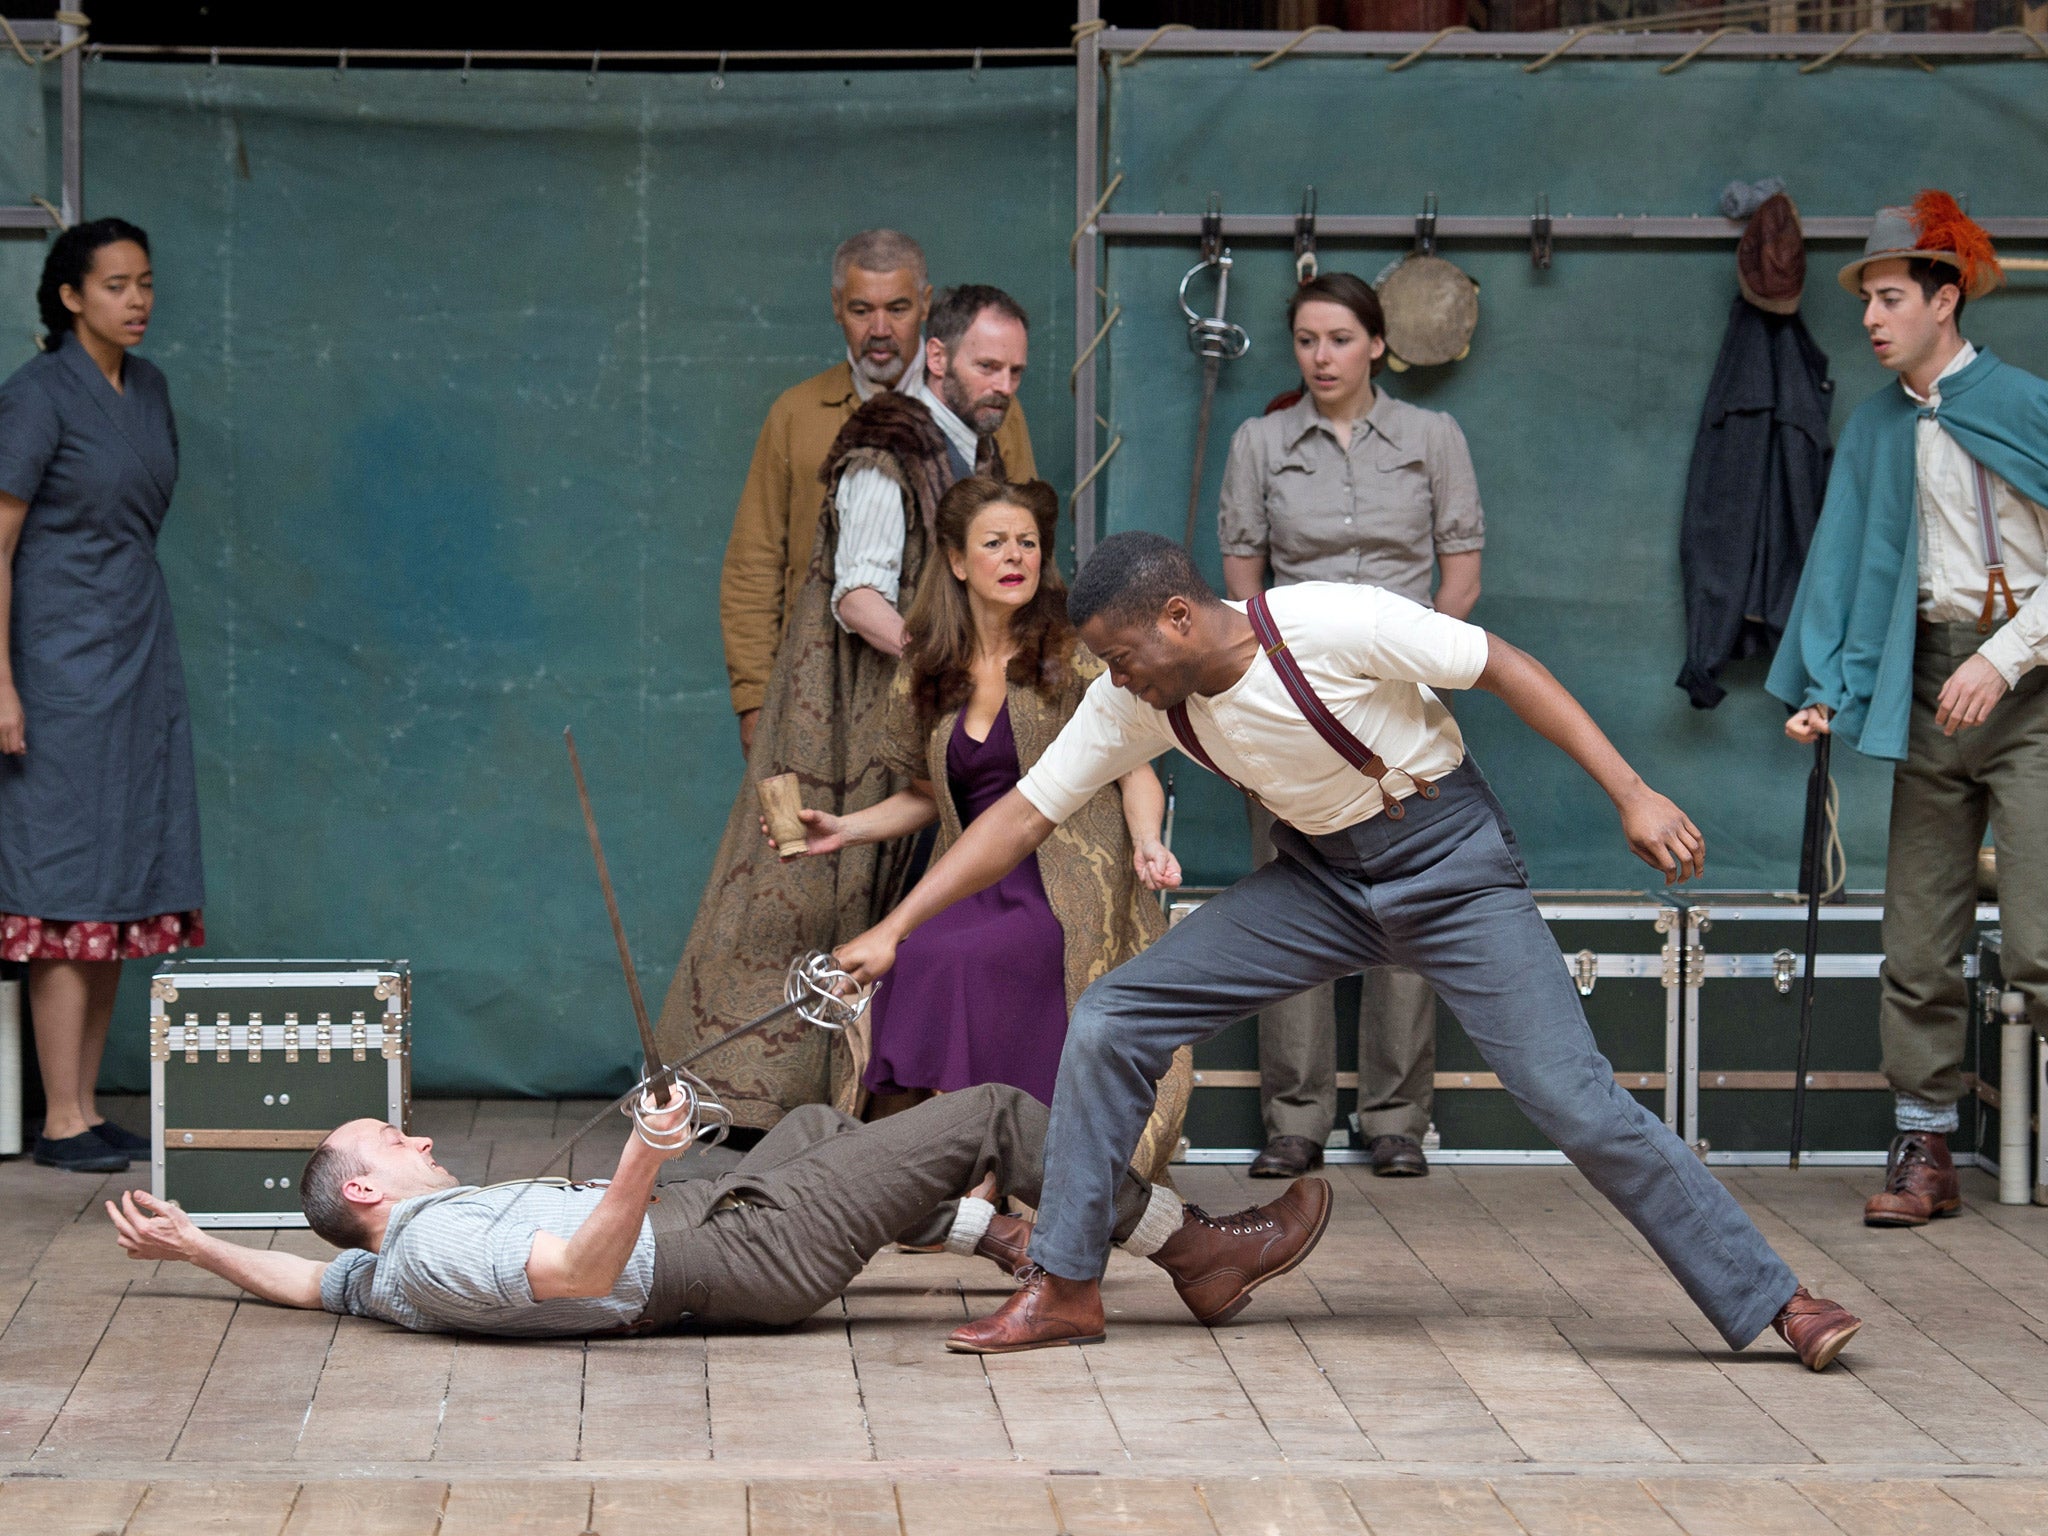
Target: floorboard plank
x=1470, y=1254
x=823, y=1508
x=449, y=1119
x=638, y=1508
x=1584, y=1506
x=1052, y=1411
x=922, y=1402
x=132, y=1401
x=47, y=1346
x=646, y=1399
x=380, y=1395
x=787, y=1394
x=1401, y=1391
x=516, y=1508
x=1552, y=1404
x=1712, y=1506
x=1280, y=1506
x=988, y=1507
x=261, y=1383
x=67, y=1506
x=1421, y=1506
x=496, y=1119
x=178, y=1508
x=515, y=1400
x=1550, y=1213
x=1689, y=1404
x=1173, y=1394
x=1994, y=1256
x=1292, y=1396
x=1129, y=1506
x=386, y=1507
x=1891, y=1508
x=2010, y=1506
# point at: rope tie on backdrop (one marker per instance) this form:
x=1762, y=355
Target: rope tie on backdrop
x=1285, y=49
x=1087, y=29
x=1837, y=51
x=1834, y=868
x=56, y=216
x=1074, y=373
x=2039, y=41
x=1102, y=202
x=1406, y=59
x=76, y=19
x=1692, y=53
x=1100, y=464
x=1559, y=51
x=1145, y=47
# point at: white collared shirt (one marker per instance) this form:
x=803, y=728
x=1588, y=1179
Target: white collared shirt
x=870, y=506
x=1953, y=574
x=1371, y=655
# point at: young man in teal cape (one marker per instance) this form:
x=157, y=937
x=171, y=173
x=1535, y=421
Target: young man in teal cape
x=1917, y=636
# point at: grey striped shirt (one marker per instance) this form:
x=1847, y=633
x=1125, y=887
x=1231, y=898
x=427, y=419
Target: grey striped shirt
x=870, y=508
x=449, y=1266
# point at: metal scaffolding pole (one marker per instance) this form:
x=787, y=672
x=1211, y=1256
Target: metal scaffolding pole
x=71, y=194
x=1087, y=269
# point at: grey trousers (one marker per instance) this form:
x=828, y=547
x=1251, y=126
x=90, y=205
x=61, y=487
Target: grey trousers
x=1442, y=891
x=821, y=1194
x=1298, y=1046
x=1943, y=794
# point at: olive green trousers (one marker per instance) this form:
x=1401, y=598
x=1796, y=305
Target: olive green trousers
x=1943, y=796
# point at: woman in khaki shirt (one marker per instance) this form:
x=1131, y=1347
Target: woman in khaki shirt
x=1349, y=484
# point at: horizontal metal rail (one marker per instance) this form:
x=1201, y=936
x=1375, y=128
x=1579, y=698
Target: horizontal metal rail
x=589, y=56
x=1116, y=41
x=1639, y=226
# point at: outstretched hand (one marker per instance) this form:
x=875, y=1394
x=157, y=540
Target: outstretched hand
x=1663, y=836
x=150, y=1229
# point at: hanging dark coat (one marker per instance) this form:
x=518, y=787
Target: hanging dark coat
x=1752, y=497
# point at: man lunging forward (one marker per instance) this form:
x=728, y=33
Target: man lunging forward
x=1393, y=851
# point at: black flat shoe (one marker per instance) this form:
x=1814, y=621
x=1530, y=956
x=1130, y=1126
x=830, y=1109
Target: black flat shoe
x=83, y=1153
x=123, y=1140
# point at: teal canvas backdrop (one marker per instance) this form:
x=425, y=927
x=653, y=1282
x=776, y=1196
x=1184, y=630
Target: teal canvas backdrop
x=468, y=374
x=1582, y=393
x=467, y=377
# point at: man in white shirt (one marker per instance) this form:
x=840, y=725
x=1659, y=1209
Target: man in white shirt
x=1917, y=636
x=1392, y=851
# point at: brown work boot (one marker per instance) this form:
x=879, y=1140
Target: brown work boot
x=1218, y=1261
x=1396, y=1157
x=1045, y=1310
x=1286, y=1157
x=1815, y=1327
x=1008, y=1242
x=1919, y=1183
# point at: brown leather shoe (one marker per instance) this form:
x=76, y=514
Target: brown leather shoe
x=1045, y=1310
x=1286, y=1157
x=1008, y=1242
x=1815, y=1327
x=1218, y=1261
x=1396, y=1157
x=1919, y=1183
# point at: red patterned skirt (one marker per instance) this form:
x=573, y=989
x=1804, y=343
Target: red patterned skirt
x=43, y=938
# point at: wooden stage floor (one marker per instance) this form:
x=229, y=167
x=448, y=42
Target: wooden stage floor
x=1484, y=1350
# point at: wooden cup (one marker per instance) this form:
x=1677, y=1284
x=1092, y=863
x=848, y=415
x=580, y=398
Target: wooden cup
x=781, y=800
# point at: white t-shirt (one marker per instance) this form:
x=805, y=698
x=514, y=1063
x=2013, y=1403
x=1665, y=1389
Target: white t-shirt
x=1370, y=655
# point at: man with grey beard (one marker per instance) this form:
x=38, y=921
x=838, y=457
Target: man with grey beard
x=881, y=296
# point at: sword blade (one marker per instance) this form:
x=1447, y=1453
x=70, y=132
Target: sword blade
x=650, y=1052
x=1212, y=367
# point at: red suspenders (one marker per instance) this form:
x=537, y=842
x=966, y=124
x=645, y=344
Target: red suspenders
x=1313, y=709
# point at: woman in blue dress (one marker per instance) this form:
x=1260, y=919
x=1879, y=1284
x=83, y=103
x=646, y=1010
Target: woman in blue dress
x=99, y=812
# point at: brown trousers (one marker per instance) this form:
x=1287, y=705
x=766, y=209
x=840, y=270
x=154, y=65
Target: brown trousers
x=1943, y=795
x=821, y=1194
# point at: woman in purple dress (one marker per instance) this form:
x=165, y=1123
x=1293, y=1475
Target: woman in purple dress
x=991, y=672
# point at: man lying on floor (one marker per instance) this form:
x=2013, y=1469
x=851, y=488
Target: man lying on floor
x=771, y=1242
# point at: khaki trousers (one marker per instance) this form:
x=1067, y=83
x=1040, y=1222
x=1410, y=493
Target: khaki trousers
x=821, y=1194
x=1298, y=1047
x=1943, y=795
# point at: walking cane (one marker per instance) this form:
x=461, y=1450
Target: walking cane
x=1814, y=871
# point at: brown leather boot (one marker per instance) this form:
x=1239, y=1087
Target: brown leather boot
x=1008, y=1242
x=1815, y=1327
x=1286, y=1157
x=1045, y=1310
x=1919, y=1183
x=1218, y=1261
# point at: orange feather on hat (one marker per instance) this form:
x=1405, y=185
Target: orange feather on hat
x=1945, y=227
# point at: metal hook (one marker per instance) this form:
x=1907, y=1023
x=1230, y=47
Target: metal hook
x=465, y=67
x=718, y=80
x=341, y=64
x=1306, y=266
x=1212, y=229
x=1425, y=226
x=1539, y=234
x=974, y=69
x=591, y=79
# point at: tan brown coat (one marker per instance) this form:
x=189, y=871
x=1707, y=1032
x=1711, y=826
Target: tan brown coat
x=769, y=551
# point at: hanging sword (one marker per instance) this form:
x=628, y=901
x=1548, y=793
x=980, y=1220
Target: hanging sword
x=1212, y=338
